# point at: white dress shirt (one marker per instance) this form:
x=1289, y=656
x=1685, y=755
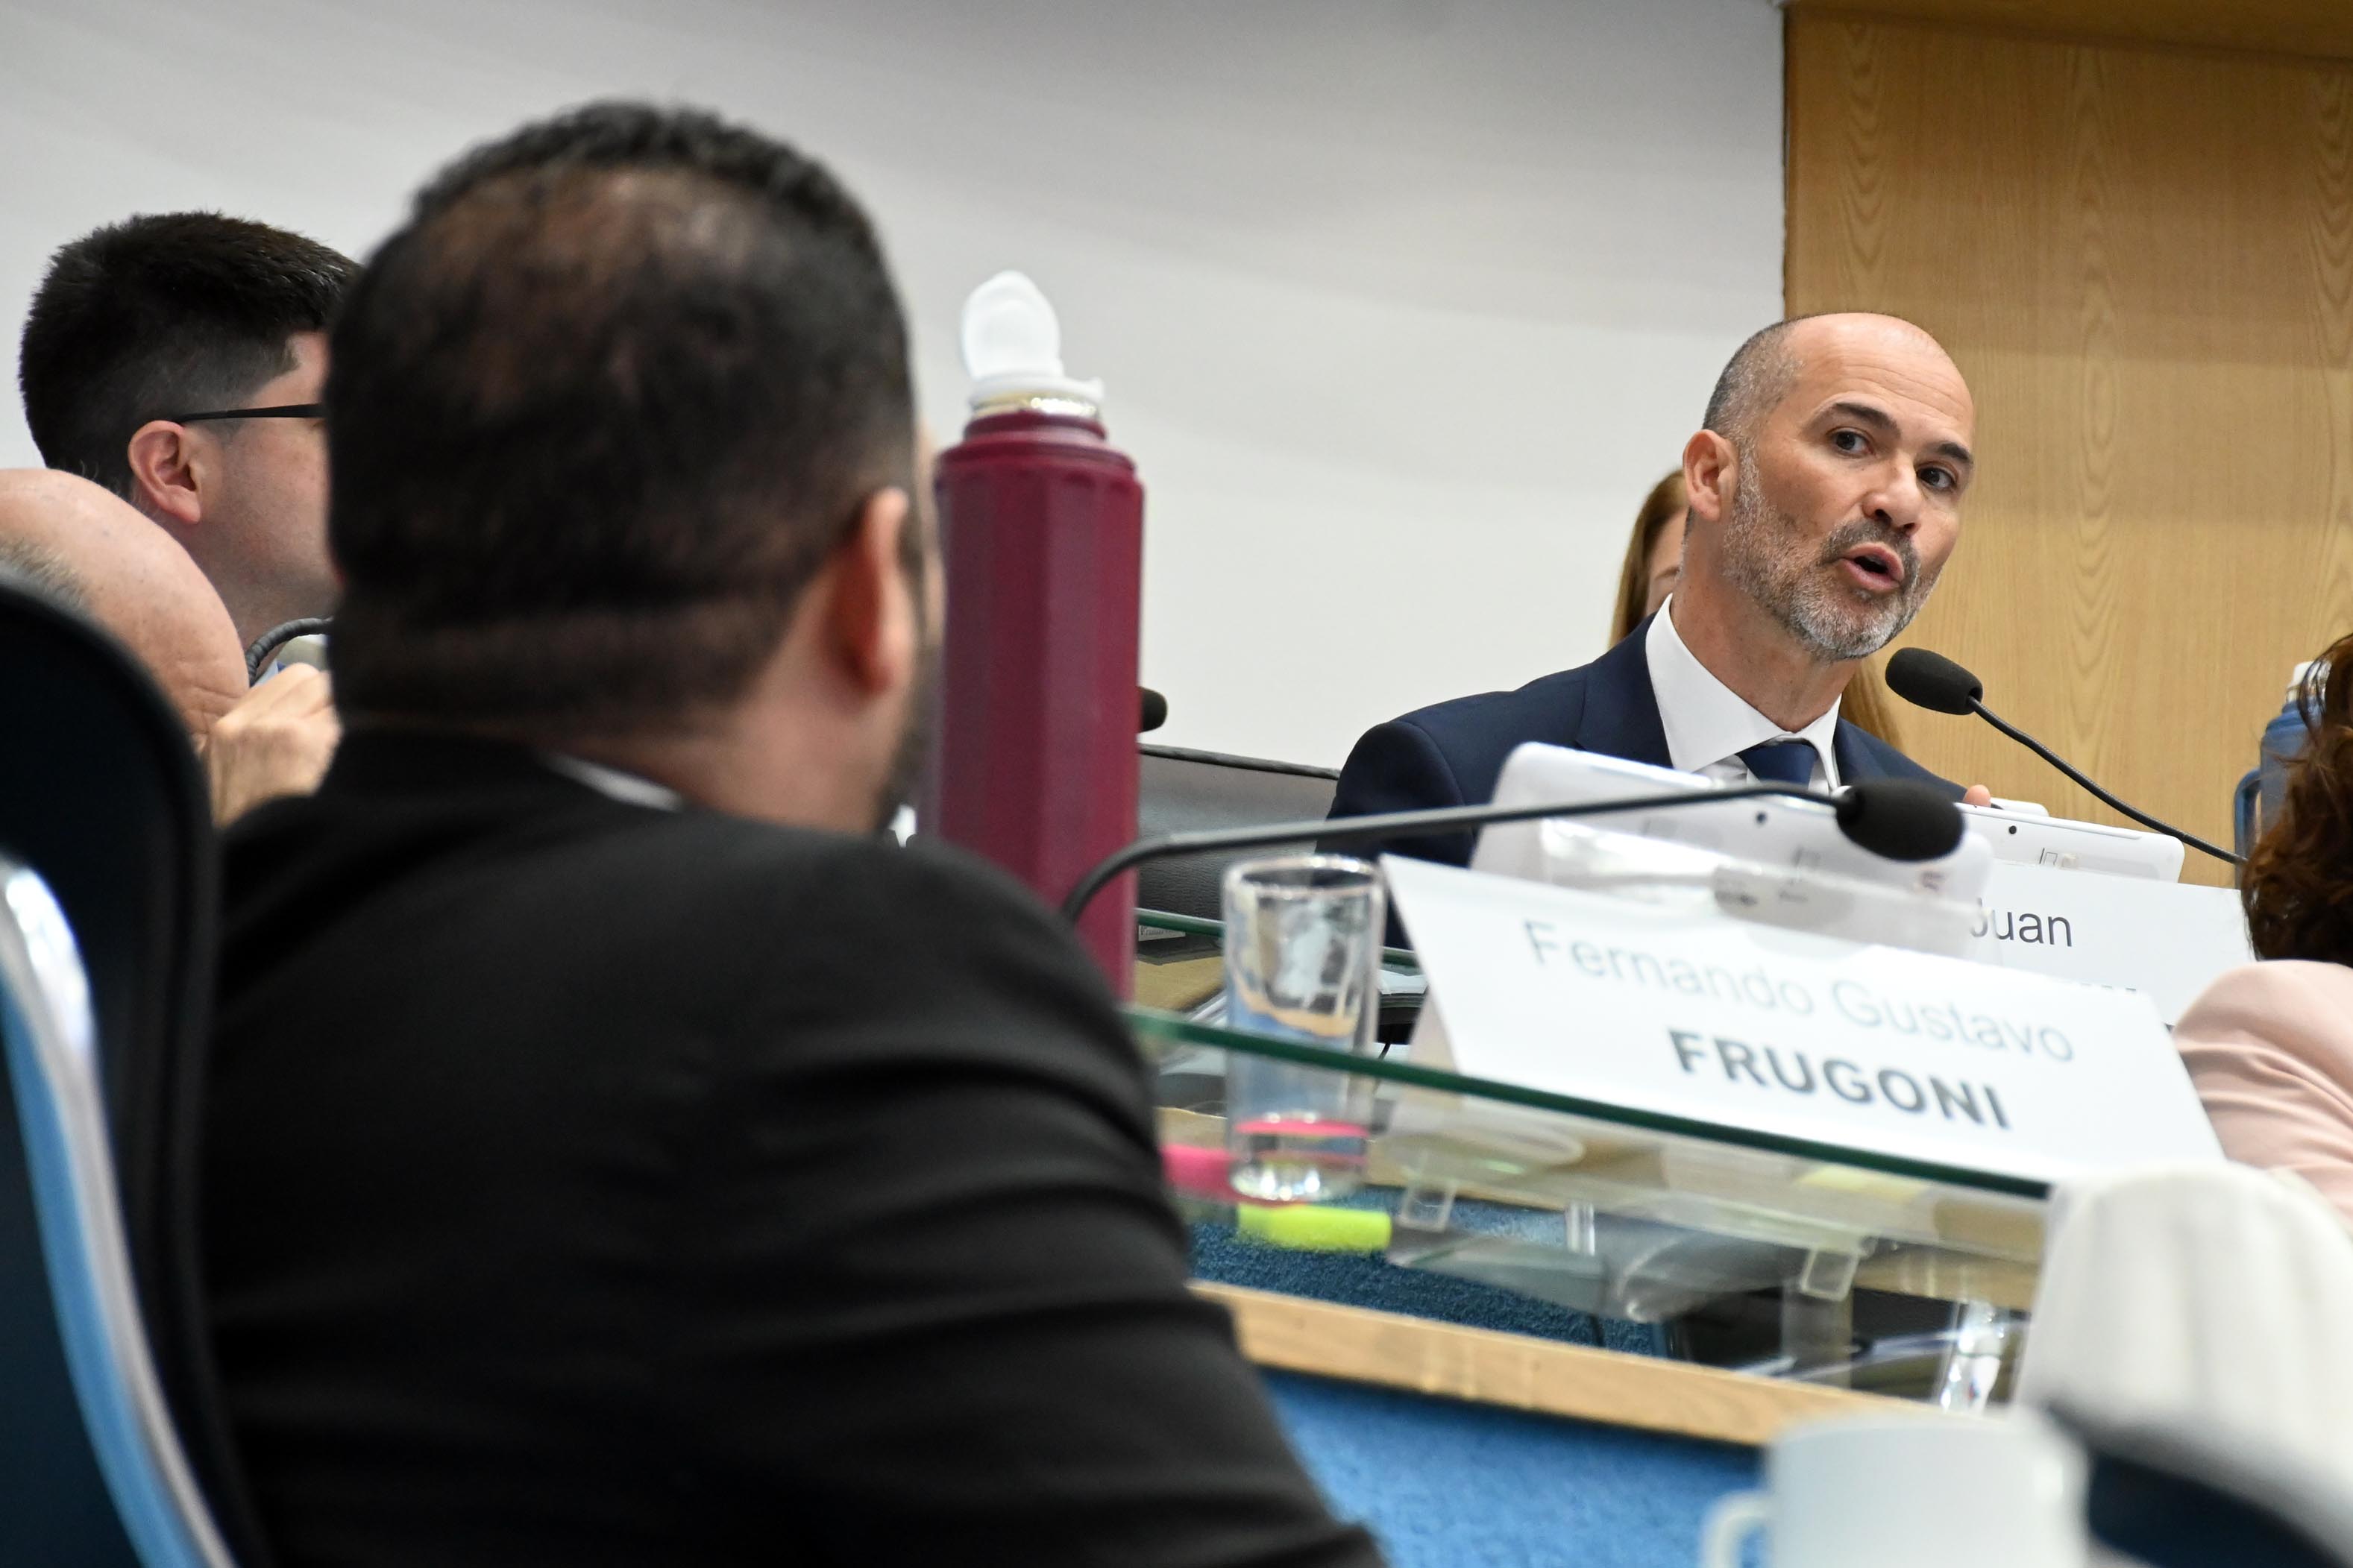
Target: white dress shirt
x=1708, y=725
x=613, y=783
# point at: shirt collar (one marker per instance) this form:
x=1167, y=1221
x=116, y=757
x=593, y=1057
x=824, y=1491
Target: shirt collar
x=614, y=785
x=1706, y=722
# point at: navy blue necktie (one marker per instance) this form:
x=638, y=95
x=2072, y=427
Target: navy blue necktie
x=1782, y=762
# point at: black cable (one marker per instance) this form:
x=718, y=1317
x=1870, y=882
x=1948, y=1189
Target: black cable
x=1387, y=825
x=2048, y=755
x=1929, y=679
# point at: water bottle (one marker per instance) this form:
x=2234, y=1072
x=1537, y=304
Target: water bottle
x=2263, y=789
x=1041, y=530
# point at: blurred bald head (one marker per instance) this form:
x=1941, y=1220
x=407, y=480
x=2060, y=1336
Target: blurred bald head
x=87, y=547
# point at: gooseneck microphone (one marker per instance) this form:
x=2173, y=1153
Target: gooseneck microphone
x=265, y=647
x=1931, y=681
x=1902, y=820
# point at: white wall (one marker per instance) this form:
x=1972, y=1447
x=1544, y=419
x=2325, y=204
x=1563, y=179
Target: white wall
x=1402, y=303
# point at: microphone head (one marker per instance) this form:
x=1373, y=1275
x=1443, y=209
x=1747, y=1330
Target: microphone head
x=1902, y=820
x=1154, y=711
x=1932, y=681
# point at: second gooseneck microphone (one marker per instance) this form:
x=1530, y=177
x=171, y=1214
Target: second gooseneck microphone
x=1903, y=819
x=1931, y=681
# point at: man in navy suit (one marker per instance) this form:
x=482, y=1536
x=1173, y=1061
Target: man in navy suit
x=1825, y=497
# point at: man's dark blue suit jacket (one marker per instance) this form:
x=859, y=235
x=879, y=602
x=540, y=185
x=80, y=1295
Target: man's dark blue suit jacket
x=1452, y=753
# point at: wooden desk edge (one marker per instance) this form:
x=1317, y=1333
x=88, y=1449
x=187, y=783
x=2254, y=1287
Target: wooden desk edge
x=1291, y=1333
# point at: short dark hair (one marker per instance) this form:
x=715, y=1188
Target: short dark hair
x=163, y=314
x=596, y=413
x=1759, y=376
x=1754, y=379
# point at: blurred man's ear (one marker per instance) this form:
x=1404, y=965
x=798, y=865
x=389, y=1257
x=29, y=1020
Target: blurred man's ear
x=1710, y=475
x=170, y=471
x=874, y=625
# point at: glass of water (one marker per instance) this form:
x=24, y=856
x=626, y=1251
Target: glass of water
x=1302, y=953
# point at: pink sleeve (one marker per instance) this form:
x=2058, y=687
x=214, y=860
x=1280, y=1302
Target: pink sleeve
x=2270, y=1050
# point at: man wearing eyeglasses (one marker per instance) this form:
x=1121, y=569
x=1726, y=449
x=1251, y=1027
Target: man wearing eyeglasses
x=177, y=359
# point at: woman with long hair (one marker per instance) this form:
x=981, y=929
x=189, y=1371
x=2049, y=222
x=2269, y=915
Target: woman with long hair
x=1653, y=561
x=2270, y=1046
x=1653, y=556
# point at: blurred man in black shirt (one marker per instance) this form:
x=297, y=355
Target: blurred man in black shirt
x=615, y=1153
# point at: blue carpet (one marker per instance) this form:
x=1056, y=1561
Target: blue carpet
x=1446, y=1484
x=1229, y=1258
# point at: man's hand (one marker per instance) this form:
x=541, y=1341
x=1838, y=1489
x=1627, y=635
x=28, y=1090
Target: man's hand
x=276, y=741
x=1977, y=795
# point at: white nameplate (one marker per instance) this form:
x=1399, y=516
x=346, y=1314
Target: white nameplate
x=2166, y=940
x=1793, y=1034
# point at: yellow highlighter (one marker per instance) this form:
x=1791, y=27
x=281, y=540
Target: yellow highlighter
x=1308, y=1227
x=1198, y=1174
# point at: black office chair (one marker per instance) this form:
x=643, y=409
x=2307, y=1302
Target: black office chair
x=102, y=803
x=1182, y=790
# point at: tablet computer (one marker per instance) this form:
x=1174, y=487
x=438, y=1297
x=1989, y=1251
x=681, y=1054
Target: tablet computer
x=2038, y=839
x=1800, y=834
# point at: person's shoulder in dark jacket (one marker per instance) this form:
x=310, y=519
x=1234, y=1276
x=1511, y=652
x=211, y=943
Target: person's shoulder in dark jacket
x=927, y=941
x=1038, y=1325
x=1020, y=1371
x=878, y=1254
x=1892, y=763
x=1450, y=753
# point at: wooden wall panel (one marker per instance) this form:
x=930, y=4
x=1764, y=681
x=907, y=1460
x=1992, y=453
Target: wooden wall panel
x=2142, y=258
x=2314, y=28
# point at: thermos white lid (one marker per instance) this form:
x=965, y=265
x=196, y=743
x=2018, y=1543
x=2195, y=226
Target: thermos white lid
x=1013, y=349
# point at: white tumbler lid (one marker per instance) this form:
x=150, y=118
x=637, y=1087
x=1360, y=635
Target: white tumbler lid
x=1013, y=348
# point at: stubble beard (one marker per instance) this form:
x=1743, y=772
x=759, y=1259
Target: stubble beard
x=1765, y=558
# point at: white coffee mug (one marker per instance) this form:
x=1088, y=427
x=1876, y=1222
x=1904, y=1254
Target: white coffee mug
x=2003, y=1492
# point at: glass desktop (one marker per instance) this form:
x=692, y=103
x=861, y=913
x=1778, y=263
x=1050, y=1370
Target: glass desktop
x=1510, y=1207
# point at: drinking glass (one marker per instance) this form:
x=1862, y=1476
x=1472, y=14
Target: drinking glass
x=1302, y=951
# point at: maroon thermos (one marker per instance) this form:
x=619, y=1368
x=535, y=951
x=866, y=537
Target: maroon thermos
x=1041, y=524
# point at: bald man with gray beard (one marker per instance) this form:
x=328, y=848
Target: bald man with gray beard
x=1826, y=484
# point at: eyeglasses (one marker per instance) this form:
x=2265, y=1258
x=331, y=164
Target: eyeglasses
x=283, y=411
